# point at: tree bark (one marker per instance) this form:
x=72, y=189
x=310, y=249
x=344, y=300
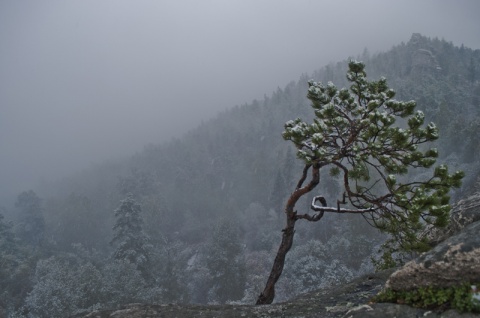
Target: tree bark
x=268, y=294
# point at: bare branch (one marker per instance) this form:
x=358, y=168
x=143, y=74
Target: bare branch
x=311, y=218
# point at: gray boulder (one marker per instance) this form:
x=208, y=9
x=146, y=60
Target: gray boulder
x=451, y=263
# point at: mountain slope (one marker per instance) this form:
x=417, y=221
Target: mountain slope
x=237, y=169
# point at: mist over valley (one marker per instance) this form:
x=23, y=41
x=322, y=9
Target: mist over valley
x=142, y=154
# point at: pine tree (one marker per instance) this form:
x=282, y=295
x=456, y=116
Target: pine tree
x=130, y=241
x=354, y=134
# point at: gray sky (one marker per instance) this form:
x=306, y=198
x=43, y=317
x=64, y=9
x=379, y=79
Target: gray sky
x=83, y=81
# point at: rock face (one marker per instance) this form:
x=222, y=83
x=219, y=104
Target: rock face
x=455, y=260
x=451, y=263
x=423, y=58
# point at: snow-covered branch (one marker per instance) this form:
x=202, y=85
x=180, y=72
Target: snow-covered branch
x=337, y=209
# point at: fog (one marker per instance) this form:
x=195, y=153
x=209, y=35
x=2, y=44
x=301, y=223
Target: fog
x=86, y=81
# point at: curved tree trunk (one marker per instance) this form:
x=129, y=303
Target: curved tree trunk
x=268, y=294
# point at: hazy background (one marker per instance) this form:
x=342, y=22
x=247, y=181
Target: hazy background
x=90, y=80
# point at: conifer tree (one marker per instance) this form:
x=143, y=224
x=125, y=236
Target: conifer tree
x=355, y=134
x=130, y=241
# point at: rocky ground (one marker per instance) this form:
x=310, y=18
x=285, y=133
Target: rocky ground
x=331, y=302
x=350, y=300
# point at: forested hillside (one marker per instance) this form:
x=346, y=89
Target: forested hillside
x=207, y=206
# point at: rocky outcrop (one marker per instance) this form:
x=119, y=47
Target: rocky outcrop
x=423, y=58
x=451, y=263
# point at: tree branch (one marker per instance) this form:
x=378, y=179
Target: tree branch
x=304, y=176
x=338, y=209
